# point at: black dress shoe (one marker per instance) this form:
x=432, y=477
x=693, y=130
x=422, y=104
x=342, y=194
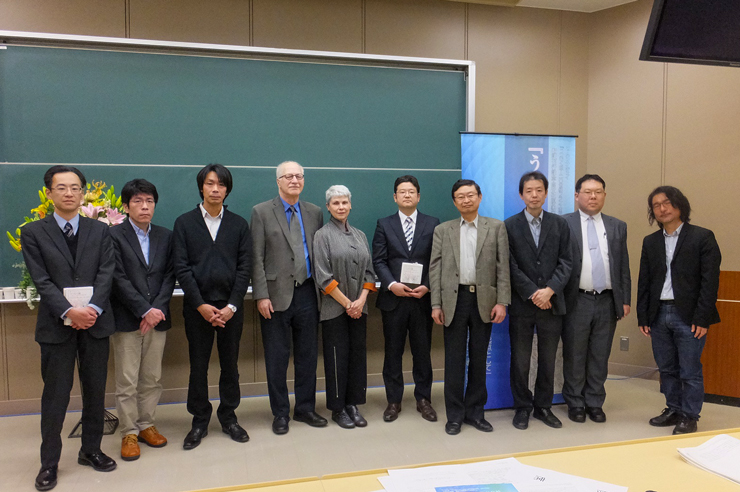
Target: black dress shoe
x=355, y=415
x=47, y=478
x=280, y=425
x=311, y=418
x=391, y=412
x=521, y=419
x=685, y=426
x=546, y=416
x=98, y=460
x=192, y=440
x=236, y=432
x=342, y=419
x=424, y=407
x=452, y=428
x=577, y=414
x=596, y=414
x=481, y=424
x=667, y=418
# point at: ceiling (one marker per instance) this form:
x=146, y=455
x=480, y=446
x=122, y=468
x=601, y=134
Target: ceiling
x=574, y=5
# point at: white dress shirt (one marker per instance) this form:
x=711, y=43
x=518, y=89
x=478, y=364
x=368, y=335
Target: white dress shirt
x=586, y=280
x=468, y=241
x=212, y=223
x=671, y=240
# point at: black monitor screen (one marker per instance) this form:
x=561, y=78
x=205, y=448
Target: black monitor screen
x=693, y=31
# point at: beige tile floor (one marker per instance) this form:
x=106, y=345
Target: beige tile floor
x=307, y=452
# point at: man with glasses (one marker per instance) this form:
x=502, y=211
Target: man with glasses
x=71, y=261
x=469, y=279
x=142, y=290
x=597, y=295
x=404, y=240
x=676, y=303
x=282, y=285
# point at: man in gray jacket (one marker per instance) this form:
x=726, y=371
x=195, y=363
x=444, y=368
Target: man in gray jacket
x=469, y=280
x=282, y=284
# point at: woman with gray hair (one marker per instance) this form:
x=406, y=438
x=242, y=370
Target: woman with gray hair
x=344, y=272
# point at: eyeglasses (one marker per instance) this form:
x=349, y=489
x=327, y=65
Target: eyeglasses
x=596, y=193
x=665, y=203
x=406, y=192
x=469, y=196
x=63, y=189
x=139, y=201
x=289, y=177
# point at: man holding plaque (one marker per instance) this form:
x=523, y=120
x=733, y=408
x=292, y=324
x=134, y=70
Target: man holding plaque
x=71, y=261
x=402, y=246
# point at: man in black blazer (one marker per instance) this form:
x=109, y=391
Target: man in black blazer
x=597, y=295
x=676, y=303
x=213, y=258
x=65, y=250
x=282, y=284
x=541, y=262
x=405, y=237
x=142, y=290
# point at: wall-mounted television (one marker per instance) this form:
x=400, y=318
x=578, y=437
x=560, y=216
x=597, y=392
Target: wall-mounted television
x=694, y=31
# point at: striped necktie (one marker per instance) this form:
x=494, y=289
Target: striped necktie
x=409, y=232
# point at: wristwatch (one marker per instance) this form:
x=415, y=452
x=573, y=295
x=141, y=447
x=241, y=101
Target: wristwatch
x=232, y=307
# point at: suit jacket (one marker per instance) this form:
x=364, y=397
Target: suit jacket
x=619, y=261
x=390, y=251
x=52, y=268
x=272, y=255
x=138, y=287
x=491, y=267
x=694, y=273
x=533, y=267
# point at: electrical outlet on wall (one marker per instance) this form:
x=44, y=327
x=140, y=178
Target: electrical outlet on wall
x=624, y=344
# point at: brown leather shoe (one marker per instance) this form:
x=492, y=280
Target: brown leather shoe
x=391, y=412
x=152, y=437
x=130, y=448
x=424, y=407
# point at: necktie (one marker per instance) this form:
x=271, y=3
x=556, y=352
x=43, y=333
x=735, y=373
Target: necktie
x=68, y=231
x=409, y=232
x=598, y=272
x=296, y=241
x=536, y=233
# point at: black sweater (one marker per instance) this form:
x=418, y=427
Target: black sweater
x=211, y=270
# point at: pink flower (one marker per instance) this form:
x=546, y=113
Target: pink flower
x=115, y=217
x=91, y=211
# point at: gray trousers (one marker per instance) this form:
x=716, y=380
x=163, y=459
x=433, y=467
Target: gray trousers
x=588, y=331
x=138, y=371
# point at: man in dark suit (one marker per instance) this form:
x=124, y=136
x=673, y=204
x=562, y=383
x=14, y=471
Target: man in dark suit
x=282, y=284
x=142, y=290
x=469, y=280
x=541, y=262
x=61, y=251
x=676, y=303
x=597, y=295
x=213, y=256
x=405, y=237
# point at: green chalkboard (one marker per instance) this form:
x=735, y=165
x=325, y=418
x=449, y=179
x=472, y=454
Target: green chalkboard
x=121, y=115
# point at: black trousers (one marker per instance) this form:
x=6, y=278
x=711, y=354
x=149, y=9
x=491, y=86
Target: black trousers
x=345, y=360
x=57, y=371
x=299, y=324
x=412, y=316
x=466, y=334
x=200, y=336
x=588, y=332
x=521, y=334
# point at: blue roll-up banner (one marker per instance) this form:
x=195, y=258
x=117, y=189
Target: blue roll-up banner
x=496, y=162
